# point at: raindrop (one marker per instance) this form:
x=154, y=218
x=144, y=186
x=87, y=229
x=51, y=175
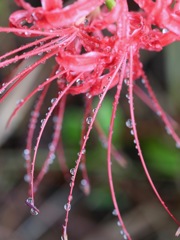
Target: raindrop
x=57, y=72
x=178, y=144
x=125, y=237
x=129, y=123
x=33, y=212
x=88, y=95
x=164, y=30
x=83, y=151
x=121, y=232
x=27, y=178
x=158, y=113
x=29, y=201
x=18, y=102
x=26, y=153
x=143, y=81
x=67, y=206
x=168, y=130
x=114, y=212
x=132, y=132
x=126, y=81
x=72, y=171
x=53, y=100
x=118, y=223
x=88, y=120
x=79, y=82
x=40, y=88
x=127, y=96
x=100, y=95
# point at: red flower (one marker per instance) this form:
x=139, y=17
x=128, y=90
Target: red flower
x=90, y=63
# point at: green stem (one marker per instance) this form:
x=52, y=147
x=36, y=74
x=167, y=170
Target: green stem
x=110, y=4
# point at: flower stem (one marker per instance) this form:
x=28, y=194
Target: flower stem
x=110, y=4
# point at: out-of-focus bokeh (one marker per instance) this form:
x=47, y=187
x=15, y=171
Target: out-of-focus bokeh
x=91, y=217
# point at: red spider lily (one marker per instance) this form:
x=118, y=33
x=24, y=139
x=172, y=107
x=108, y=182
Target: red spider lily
x=90, y=63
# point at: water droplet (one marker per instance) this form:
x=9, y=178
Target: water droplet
x=164, y=30
x=114, y=212
x=53, y=100
x=129, y=123
x=26, y=153
x=125, y=237
x=88, y=120
x=127, y=96
x=178, y=144
x=57, y=72
x=40, y=88
x=159, y=113
x=83, y=151
x=72, y=171
x=18, y=102
x=29, y=201
x=67, y=206
x=121, y=232
x=79, y=82
x=33, y=212
x=118, y=223
x=88, y=95
x=132, y=132
x=168, y=130
x=27, y=178
x=126, y=81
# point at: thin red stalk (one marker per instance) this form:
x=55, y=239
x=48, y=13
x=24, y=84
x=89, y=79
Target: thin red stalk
x=109, y=163
x=35, y=43
x=52, y=45
x=32, y=126
x=85, y=187
x=148, y=101
x=31, y=94
x=20, y=76
x=137, y=140
x=53, y=145
x=55, y=103
x=36, y=32
x=84, y=145
x=161, y=112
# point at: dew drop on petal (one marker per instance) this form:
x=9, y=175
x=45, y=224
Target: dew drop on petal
x=67, y=206
x=88, y=120
x=129, y=123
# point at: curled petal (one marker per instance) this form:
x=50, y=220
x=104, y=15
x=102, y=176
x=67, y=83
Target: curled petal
x=50, y=5
x=80, y=63
x=72, y=13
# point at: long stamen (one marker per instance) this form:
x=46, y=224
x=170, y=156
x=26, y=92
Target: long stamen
x=137, y=140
